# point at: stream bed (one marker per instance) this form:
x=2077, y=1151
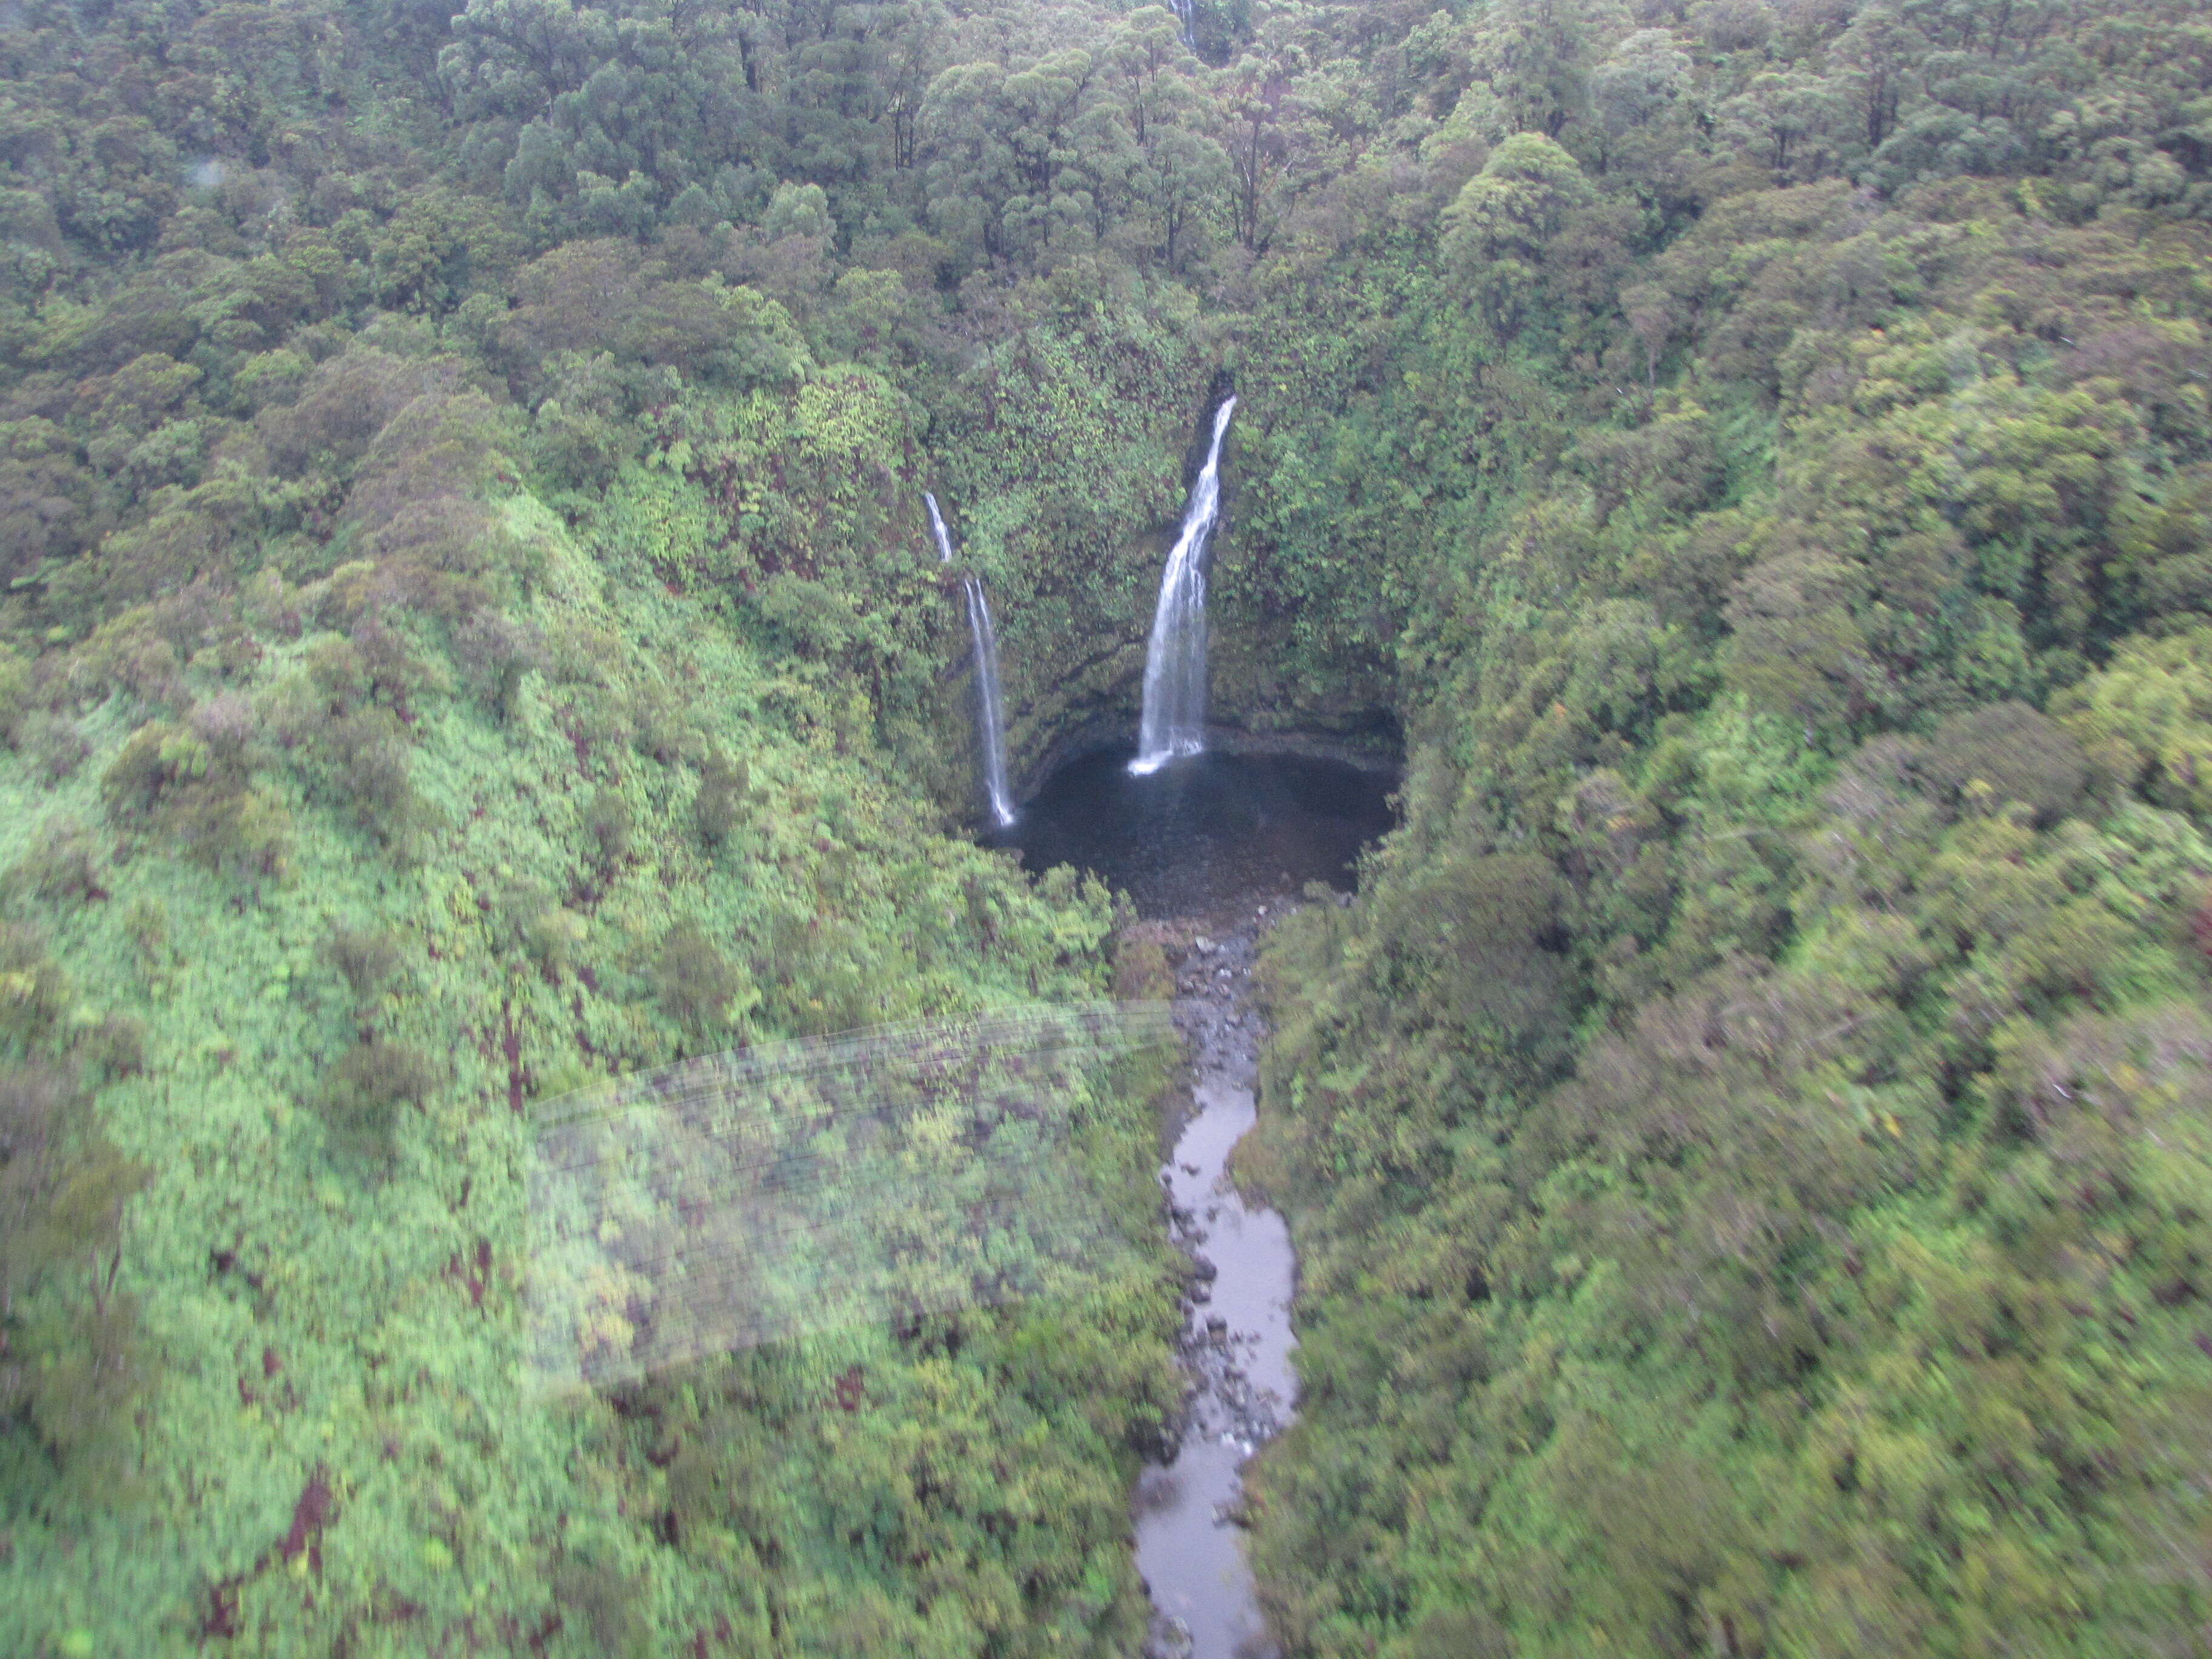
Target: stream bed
x=1237, y=1339
x=1212, y=848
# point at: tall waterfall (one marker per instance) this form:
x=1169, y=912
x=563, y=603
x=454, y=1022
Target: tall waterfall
x=1174, y=720
x=990, y=717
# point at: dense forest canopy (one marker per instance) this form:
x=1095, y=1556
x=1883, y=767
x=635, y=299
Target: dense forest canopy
x=468, y=627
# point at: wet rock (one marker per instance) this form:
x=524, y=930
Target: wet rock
x=1222, y=1403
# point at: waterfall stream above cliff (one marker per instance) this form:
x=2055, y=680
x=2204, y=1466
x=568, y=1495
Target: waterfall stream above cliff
x=990, y=715
x=1174, y=720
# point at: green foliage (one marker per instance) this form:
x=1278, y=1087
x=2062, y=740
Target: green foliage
x=1766, y=575
x=1742, y=1144
x=609, y=825
x=15, y=695
x=1504, y=220
x=193, y=783
x=2007, y=752
x=694, y=982
x=560, y=919
x=367, y=959
x=607, y=1603
x=63, y=868
x=363, y=1102
x=1141, y=973
x=339, y=718
x=716, y=810
x=69, y=1368
x=2146, y=720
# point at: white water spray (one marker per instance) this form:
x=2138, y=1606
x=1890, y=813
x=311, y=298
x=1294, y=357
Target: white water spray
x=1174, y=721
x=990, y=718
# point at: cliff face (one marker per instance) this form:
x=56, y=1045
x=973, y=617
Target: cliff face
x=468, y=624
x=1072, y=635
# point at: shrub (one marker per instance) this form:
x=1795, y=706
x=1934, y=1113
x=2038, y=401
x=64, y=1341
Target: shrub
x=723, y=785
x=609, y=822
x=374, y=772
x=329, y=714
x=346, y=403
x=157, y=758
x=1141, y=973
x=32, y=1100
x=227, y=724
x=821, y=983
x=271, y=379
x=694, y=982
x=112, y=1046
x=395, y=672
x=55, y=744
x=525, y=916
x=70, y=1365
x=368, y=958
x=818, y=619
x=14, y=694
x=605, y=1601
x=552, y=938
x=2147, y=719
x=2020, y=755
x=128, y=652
x=35, y=995
x=193, y=783
x=1474, y=944
x=659, y=730
x=170, y=780
x=247, y=833
x=61, y=867
x=147, y=922
x=360, y=1105
x=46, y=497
x=1456, y=1633
x=337, y=670
x=495, y=652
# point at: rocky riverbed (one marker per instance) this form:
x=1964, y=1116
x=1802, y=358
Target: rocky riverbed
x=1236, y=1337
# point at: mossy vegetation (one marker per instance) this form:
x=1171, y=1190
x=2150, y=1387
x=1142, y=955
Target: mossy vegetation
x=467, y=627
x=1688, y=1135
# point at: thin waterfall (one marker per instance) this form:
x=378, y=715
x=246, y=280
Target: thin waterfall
x=990, y=717
x=1174, y=720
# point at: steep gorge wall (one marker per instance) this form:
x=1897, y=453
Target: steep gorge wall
x=1074, y=611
